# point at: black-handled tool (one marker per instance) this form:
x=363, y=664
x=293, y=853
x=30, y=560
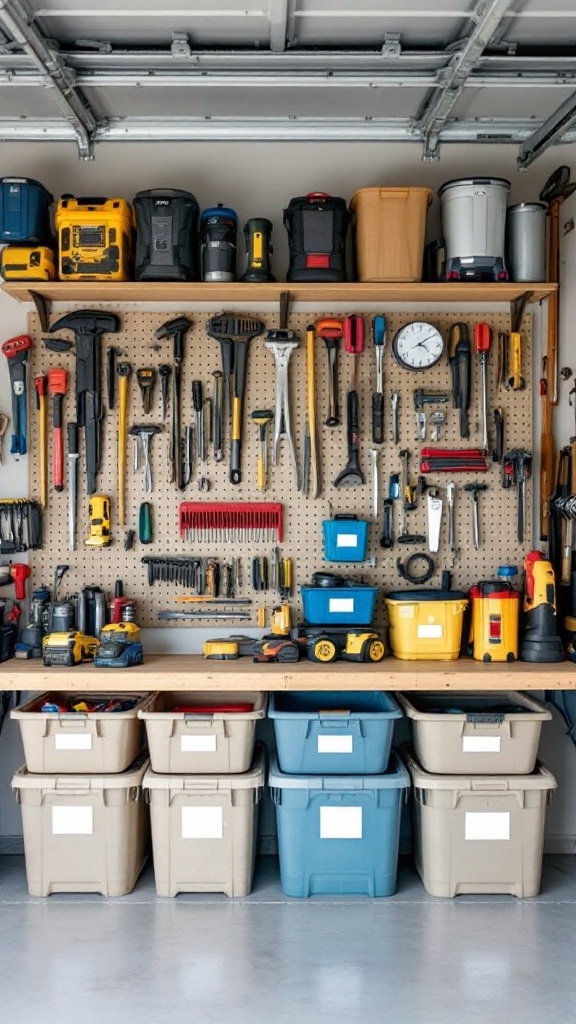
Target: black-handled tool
x=379, y=338
x=387, y=537
x=354, y=345
x=459, y=358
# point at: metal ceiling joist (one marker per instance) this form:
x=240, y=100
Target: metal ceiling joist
x=552, y=130
x=487, y=16
x=278, y=18
x=16, y=20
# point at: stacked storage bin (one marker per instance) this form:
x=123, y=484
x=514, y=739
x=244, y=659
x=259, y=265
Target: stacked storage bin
x=480, y=795
x=204, y=786
x=83, y=815
x=337, y=792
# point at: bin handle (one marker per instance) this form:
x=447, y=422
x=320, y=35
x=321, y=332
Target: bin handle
x=317, y=195
x=490, y=785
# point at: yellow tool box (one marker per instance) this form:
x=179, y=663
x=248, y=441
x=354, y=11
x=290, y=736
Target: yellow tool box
x=27, y=263
x=94, y=239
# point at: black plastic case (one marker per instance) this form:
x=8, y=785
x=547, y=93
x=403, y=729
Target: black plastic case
x=167, y=236
x=317, y=225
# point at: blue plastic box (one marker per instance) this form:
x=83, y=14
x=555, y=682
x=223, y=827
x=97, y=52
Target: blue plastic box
x=339, y=606
x=345, y=540
x=24, y=208
x=333, y=732
x=339, y=835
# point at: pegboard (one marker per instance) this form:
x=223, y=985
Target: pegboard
x=302, y=516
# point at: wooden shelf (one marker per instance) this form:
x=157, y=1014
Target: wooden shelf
x=159, y=291
x=192, y=672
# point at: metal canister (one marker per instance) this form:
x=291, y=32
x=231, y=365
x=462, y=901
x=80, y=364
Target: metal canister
x=61, y=616
x=526, y=242
x=218, y=233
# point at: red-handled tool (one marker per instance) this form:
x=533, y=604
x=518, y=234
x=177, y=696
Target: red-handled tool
x=354, y=345
x=57, y=387
x=483, y=344
x=20, y=573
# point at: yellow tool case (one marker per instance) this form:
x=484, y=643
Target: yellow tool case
x=27, y=263
x=94, y=239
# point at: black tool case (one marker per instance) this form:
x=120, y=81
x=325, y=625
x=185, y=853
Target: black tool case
x=167, y=238
x=317, y=225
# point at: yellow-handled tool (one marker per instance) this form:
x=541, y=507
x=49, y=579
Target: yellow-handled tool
x=123, y=371
x=262, y=417
x=41, y=388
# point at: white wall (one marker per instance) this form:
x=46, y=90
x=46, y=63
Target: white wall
x=258, y=179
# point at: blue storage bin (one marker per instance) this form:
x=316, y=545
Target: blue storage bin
x=339, y=835
x=345, y=540
x=24, y=207
x=339, y=606
x=333, y=732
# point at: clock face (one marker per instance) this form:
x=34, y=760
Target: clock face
x=418, y=346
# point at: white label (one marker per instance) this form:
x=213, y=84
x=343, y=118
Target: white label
x=346, y=540
x=480, y=744
x=406, y=611
x=73, y=741
x=202, y=823
x=341, y=604
x=340, y=823
x=487, y=825
x=429, y=632
x=335, y=744
x=72, y=821
x=206, y=744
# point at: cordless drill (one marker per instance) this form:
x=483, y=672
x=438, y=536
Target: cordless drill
x=540, y=640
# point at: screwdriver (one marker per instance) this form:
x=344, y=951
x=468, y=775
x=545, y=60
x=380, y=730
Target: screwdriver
x=483, y=344
x=379, y=338
x=199, y=419
x=165, y=371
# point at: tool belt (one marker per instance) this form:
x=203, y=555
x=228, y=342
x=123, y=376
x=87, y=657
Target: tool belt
x=167, y=239
x=317, y=225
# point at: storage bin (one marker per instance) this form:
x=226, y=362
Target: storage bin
x=345, y=540
x=79, y=742
x=333, y=732
x=494, y=733
x=426, y=624
x=390, y=232
x=480, y=833
x=207, y=739
x=338, y=834
x=339, y=606
x=204, y=830
x=24, y=211
x=83, y=833
x=94, y=239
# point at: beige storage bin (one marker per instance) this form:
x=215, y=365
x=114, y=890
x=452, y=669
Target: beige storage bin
x=77, y=742
x=204, y=830
x=209, y=741
x=390, y=232
x=494, y=733
x=83, y=833
x=479, y=834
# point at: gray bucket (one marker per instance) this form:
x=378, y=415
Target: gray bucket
x=526, y=242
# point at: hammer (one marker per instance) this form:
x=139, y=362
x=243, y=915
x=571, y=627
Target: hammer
x=474, y=490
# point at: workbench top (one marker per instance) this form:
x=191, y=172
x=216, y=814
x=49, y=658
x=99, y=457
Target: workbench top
x=192, y=672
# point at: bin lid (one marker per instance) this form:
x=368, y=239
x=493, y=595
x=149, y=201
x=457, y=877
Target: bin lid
x=80, y=783
x=540, y=778
x=396, y=777
x=164, y=703
x=336, y=704
x=456, y=182
x=426, y=595
x=252, y=779
x=526, y=208
x=459, y=704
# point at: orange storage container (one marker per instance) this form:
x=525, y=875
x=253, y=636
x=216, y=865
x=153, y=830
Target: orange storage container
x=390, y=230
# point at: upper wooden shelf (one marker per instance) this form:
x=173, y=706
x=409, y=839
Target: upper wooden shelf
x=236, y=291
x=192, y=672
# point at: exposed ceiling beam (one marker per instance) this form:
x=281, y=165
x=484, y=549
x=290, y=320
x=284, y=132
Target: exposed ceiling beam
x=487, y=15
x=278, y=18
x=16, y=20
x=552, y=130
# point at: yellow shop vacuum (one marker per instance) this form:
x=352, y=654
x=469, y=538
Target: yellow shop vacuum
x=94, y=239
x=494, y=621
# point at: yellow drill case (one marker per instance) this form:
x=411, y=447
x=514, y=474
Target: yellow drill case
x=95, y=239
x=27, y=263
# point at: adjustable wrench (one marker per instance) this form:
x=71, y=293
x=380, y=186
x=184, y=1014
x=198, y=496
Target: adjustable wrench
x=282, y=343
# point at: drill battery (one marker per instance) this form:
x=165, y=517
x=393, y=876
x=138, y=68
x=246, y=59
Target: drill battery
x=23, y=263
x=94, y=239
x=317, y=225
x=167, y=238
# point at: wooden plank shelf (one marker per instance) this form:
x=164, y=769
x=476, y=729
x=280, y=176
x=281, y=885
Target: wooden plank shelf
x=159, y=291
x=192, y=672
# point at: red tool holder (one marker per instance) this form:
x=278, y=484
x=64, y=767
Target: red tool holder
x=354, y=334
x=227, y=515
x=455, y=460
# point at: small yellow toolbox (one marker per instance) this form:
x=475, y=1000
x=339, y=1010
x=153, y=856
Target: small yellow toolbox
x=426, y=624
x=95, y=239
x=27, y=263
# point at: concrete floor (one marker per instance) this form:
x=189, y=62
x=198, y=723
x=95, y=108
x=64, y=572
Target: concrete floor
x=407, y=959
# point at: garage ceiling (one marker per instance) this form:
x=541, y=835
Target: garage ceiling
x=429, y=71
